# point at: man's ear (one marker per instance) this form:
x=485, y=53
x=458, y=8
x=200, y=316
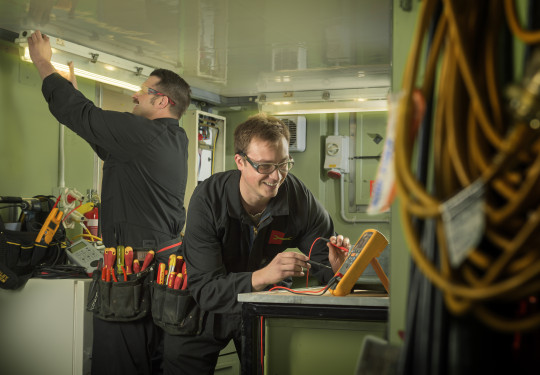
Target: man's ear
x=163, y=101
x=239, y=161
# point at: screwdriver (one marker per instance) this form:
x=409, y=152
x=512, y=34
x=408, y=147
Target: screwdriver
x=161, y=274
x=147, y=259
x=119, y=258
x=171, y=279
x=339, y=247
x=184, y=276
x=136, y=266
x=171, y=267
x=128, y=259
x=179, y=263
x=178, y=281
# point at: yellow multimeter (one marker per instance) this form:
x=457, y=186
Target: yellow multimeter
x=49, y=227
x=369, y=246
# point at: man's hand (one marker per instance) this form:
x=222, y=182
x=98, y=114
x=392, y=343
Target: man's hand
x=70, y=76
x=41, y=53
x=337, y=256
x=284, y=265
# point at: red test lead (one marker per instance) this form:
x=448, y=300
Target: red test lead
x=339, y=247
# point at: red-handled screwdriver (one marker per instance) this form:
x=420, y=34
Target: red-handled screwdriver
x=109, y=256
x=136, y=266
x=161, y=274
x=184, y=276
x=170, y=268
x=178, y=281
x=179, y=263
x=147, y=259
x=128, y=259
x=171, y=279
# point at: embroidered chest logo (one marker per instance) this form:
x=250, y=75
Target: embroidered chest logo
x=277, y=238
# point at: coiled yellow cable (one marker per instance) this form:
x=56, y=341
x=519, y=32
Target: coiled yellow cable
x=474, y=138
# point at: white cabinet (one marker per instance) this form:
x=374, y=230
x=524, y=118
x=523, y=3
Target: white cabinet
x=206, y=134
x=45, y=328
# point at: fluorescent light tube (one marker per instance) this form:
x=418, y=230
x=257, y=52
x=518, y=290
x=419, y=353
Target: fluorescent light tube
x=97, y=77
x=91, y=64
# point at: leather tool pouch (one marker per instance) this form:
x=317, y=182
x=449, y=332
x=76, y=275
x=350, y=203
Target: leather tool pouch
x=176, y=311
x=121, y=301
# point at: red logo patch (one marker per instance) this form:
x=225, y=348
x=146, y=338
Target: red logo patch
x=276, y=238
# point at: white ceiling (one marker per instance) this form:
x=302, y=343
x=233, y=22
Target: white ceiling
x=232, y=48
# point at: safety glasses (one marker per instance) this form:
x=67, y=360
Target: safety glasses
x=268, y=168
x=151, y=91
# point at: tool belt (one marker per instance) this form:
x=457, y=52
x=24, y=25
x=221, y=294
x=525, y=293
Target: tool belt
x=130, y=297
x=176, y=311
x=120, y=301
x=20, y=255
x=173, y=307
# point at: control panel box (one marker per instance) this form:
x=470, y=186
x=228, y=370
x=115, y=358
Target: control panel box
x=337, y=153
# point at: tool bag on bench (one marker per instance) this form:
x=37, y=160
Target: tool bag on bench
x=20, y=255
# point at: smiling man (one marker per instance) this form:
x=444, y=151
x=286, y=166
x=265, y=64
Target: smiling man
x=239, y=224
x=144, y=181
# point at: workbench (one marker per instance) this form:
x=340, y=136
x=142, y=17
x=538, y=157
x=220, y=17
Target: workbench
x=361, y=310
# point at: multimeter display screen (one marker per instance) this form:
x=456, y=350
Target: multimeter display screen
x=76, y=247
x=353, y=254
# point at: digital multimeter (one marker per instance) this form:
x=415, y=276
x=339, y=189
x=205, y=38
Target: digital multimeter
x=370, y=244
x=85, y=254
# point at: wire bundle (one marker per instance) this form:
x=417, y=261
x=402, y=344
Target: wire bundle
x=475, y=139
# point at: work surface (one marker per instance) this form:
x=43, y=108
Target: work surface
x=362, y=307
x=357, y=298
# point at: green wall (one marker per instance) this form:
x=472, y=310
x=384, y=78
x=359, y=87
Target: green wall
x=29, y=134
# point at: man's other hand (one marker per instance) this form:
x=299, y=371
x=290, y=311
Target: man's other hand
x=337, y=256
x=283, y=265
x=70, y=76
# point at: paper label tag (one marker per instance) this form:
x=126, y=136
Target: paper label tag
x=383, y=190
x=464, y=221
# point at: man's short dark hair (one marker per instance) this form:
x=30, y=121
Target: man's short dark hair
x=261, y=126
x=174, y=86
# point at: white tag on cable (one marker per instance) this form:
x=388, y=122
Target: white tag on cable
x=384, y=188
x=464, y=221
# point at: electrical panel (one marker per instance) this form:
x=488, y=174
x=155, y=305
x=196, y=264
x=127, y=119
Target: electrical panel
x=206, y=150
x=337, y=153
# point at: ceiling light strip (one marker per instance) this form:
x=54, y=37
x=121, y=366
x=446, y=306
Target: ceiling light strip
x=97, y=77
